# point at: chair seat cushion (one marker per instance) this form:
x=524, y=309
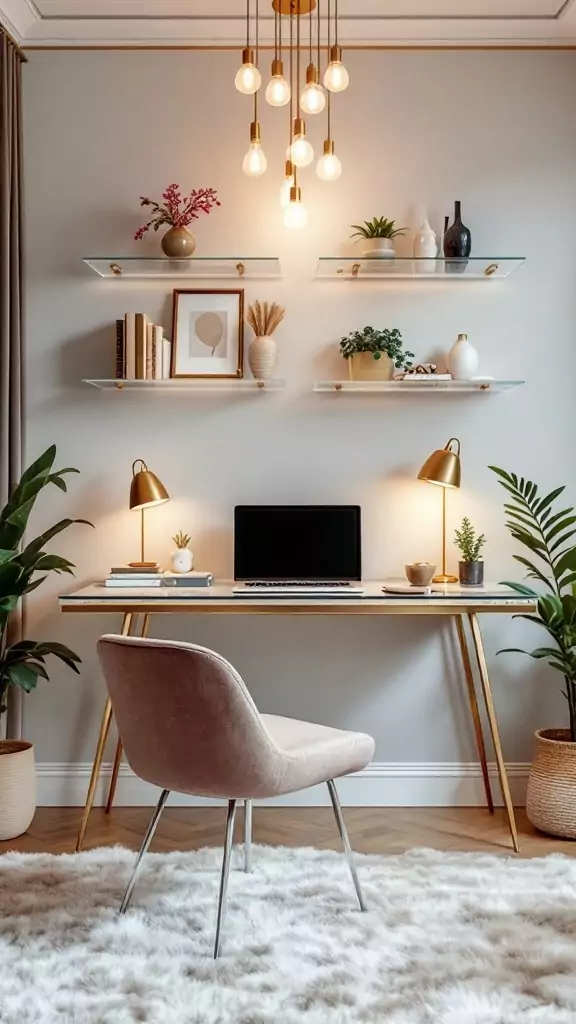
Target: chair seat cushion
x=310, y=754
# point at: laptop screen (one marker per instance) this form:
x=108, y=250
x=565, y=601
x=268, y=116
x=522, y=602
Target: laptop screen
x=297, y=542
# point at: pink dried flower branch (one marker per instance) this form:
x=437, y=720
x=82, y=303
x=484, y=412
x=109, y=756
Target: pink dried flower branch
x=176, y=210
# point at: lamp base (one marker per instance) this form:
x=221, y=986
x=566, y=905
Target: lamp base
x=443, y=578
x=144, y=565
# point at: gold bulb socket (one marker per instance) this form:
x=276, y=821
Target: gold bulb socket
x=295, y=194
x=299, y=126
x=328, y=147
x=311, y=75
x=462, y=337
x=247, y=55
x=277, y=69
x=336, y=53
x=288, y=169
x=255, y=131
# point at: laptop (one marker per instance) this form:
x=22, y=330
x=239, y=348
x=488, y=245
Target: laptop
x=287, y=550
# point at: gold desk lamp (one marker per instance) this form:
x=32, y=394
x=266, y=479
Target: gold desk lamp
x=443, y=468
x=146, y=490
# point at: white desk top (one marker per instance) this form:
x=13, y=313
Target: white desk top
x=220, y=598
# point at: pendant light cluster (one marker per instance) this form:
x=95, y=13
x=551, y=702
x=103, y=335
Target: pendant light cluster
x=308, y=97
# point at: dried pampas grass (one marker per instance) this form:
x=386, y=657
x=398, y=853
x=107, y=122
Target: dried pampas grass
x=264, y=318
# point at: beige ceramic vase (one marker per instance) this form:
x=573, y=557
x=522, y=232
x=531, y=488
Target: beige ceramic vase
x=178, y=243
x=262, y=357
x=551, y=796
x=17, y=787
x=363, y=366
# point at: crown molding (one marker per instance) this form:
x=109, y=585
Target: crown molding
x=18, y=17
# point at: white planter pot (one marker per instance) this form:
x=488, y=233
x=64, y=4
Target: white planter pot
x=462, y=359
x=425, y=246
x=378, y=249
x=363, y=366
x=181, y=560
x=17, y=787
x=262, y=357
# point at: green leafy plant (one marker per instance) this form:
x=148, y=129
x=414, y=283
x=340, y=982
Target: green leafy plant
x=469, y=543
x=534, y=521
x=181, y=539
x=377, y=342
x=378, y=227
x=23, y=663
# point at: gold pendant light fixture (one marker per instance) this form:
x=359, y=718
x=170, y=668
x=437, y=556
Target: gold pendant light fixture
x=309, y=97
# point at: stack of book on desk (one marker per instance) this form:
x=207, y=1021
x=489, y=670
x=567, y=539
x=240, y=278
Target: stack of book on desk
x=128, y=576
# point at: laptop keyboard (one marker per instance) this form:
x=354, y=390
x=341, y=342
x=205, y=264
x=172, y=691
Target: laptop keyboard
x=297, y=583
x=298, y=588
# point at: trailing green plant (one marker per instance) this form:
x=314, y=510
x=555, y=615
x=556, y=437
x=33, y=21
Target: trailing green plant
x=378, y=227
x=469, y=543
x=372, y=340
x=23, y=663
x=533, y=520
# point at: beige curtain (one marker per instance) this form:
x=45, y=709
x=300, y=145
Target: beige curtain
x=11, y=295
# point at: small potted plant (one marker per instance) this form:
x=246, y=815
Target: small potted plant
x=535, y=523
x=181, y=559
x=470, y=566
x=264, y=318
x=377, y=237
x=374, y=354
x=177, y=211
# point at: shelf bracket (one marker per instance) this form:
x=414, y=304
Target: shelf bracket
x=490, y=269
x=116, y=269
x=240, y=268
x=355, y=269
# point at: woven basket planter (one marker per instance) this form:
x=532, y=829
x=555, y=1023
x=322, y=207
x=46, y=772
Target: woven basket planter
x=551, y=796
x=17, y=787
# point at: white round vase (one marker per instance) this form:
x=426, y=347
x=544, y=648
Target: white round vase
x=181, y=560
x=262, y=357
x=425, y=245
x=17, y=787
x=462, y=359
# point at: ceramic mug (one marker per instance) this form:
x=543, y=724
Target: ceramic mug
x=420, y=573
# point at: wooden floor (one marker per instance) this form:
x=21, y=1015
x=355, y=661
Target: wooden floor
x=372, y=830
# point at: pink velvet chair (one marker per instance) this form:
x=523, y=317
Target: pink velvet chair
x=188, y=723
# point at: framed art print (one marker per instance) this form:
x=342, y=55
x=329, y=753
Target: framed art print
x=208, y=333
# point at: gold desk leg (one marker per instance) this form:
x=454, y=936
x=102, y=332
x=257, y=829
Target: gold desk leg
x=491, y=711
x=104, y=729
x=119, y=747
x=474, y=709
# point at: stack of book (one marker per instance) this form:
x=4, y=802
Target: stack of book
x=142, y=351
x=128, y=576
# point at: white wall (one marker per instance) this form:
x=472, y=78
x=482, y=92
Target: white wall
x=414, y=131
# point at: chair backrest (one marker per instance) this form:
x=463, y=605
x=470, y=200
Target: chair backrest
x=186, y=719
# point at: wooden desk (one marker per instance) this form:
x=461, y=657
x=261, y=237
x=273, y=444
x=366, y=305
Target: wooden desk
x=463, y=606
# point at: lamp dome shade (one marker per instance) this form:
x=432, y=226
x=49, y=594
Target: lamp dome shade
x=443, y=466
x=146, y=489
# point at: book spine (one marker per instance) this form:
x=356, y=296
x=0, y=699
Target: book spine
x=140, y=345
x=149, y=351
x=130, y=345
x=158, y=344
x=120, y=353
x=166, y=358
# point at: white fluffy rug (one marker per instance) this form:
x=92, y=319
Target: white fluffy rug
x=448, y=939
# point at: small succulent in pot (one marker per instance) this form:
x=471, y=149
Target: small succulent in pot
x=374, y=354
x=377, y=236
x=471, y=566
x=182, y=559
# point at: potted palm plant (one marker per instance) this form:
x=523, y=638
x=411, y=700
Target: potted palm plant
x=374, y=354
x=471, y=565
x=535, y=522
x=23, y=569
x=377, y=236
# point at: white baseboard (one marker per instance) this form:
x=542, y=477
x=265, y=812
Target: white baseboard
x=421, y=784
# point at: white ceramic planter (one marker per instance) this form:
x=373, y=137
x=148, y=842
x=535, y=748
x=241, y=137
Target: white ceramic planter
x=378, y=249
x=262, y=357
x=363, y=366
x=181, y=560
x=17, y=787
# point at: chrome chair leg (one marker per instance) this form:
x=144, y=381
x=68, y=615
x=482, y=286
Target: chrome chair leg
x=345, y=841
x=143, y=849
x=224, y=876
x=247, y=835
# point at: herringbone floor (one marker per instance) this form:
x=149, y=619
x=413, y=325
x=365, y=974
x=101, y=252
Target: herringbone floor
x=372, y=830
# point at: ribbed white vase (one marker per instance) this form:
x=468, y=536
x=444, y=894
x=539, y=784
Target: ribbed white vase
x=425, y=245
x=262, y=357
x=17, y=787
x=462, y=359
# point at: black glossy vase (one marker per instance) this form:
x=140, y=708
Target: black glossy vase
x=457, y=240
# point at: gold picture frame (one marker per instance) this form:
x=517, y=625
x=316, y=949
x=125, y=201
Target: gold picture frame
x=208, y=333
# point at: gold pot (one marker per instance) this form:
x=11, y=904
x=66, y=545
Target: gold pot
x=551, y=795
x=178, y=243
x=17, y=787
x=363, y=366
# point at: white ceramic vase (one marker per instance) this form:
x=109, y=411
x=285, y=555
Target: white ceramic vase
x=425, y=245
x=378, y=249
x=462, y=359
x=262, y=357
x=17, y=787
x=181, y=560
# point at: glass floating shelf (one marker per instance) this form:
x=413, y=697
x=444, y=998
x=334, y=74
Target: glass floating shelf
x=405, y=387
x=475, y=268
x=235, y=384
x=122, y=267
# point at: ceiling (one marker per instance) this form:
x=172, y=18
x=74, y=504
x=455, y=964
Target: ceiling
x=72, y=23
